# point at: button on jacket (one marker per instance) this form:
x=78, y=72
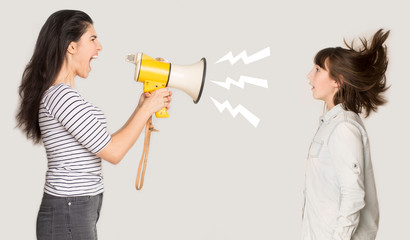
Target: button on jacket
x=340, y=192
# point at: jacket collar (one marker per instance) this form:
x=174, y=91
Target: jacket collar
x=329, y=115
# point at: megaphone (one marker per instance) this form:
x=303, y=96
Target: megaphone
x=156, y=74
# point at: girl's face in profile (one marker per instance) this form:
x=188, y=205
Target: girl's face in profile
x=85, y=50
x=323, y=87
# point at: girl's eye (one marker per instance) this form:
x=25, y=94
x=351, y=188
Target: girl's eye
x=317, y=69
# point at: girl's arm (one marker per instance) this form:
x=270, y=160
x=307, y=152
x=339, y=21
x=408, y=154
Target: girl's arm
x=346, y=149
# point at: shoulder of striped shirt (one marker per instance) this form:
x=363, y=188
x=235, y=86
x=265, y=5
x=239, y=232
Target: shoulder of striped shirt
x=59, y=90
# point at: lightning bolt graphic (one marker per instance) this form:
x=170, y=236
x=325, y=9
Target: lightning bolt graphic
x=241, y=82
x=244, y=56
x=254, y=120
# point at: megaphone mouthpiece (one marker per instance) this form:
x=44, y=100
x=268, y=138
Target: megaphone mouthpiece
x=131, y=58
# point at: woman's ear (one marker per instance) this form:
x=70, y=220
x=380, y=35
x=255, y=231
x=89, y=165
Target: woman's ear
x=72, y=48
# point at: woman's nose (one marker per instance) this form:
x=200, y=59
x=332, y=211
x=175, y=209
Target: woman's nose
x=99, y=46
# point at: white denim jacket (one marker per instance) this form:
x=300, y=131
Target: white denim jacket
x=340, y=192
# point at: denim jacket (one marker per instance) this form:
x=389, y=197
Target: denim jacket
x=340, y=192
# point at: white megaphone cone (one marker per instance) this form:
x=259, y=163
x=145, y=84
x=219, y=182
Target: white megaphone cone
x=189, y=78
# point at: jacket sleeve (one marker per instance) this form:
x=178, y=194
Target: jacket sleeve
x=346, y=149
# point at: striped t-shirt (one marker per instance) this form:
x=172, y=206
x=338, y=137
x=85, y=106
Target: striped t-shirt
x=73, y=132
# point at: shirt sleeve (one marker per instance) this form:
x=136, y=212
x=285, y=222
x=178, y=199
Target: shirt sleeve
x=346, y=149
x=76, y=115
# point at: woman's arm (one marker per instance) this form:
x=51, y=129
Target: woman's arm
x=127, y=135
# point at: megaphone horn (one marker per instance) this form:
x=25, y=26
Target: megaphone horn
x=189, y=78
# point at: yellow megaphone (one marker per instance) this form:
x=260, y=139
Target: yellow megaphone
x=156, y=74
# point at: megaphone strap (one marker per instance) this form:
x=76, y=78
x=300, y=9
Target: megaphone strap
x=141, y=170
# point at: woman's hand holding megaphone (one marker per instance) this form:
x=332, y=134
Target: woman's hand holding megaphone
x=165, y=103
x=155, y=101
x=125, y=137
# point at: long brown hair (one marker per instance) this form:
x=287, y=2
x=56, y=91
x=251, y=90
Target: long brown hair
x=60, y=29
x=360, y=73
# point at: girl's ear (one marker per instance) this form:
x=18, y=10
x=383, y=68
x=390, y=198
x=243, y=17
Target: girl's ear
x=340, y=82
x=72, y=48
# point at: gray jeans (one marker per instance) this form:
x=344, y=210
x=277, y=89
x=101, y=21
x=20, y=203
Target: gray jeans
x=71, y=218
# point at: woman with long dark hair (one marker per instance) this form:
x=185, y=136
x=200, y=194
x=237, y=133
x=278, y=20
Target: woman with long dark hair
x=72, y=130
x=340, y=192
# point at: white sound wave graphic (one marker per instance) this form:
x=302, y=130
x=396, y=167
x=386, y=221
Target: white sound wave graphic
x=254, y=120
x=241, y=82
x=244, y=56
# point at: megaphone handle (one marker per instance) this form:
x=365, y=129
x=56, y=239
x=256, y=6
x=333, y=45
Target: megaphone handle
x=162, y=113
x=144, y=158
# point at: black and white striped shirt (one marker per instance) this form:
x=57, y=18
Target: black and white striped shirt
x=73, y=132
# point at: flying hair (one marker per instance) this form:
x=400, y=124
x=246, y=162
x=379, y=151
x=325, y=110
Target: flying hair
x=359, y=71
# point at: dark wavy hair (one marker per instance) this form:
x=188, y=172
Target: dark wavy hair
x=60, y=29
x=359, y=72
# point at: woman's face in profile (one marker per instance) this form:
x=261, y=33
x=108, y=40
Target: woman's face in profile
x=85, y=50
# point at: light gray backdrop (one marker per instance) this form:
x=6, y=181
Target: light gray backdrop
x=209, y=175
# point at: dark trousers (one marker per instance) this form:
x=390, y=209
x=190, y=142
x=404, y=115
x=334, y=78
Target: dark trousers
x=73, y=218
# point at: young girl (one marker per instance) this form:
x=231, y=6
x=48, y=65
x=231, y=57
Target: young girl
x=72, y=130
x=340, y=192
